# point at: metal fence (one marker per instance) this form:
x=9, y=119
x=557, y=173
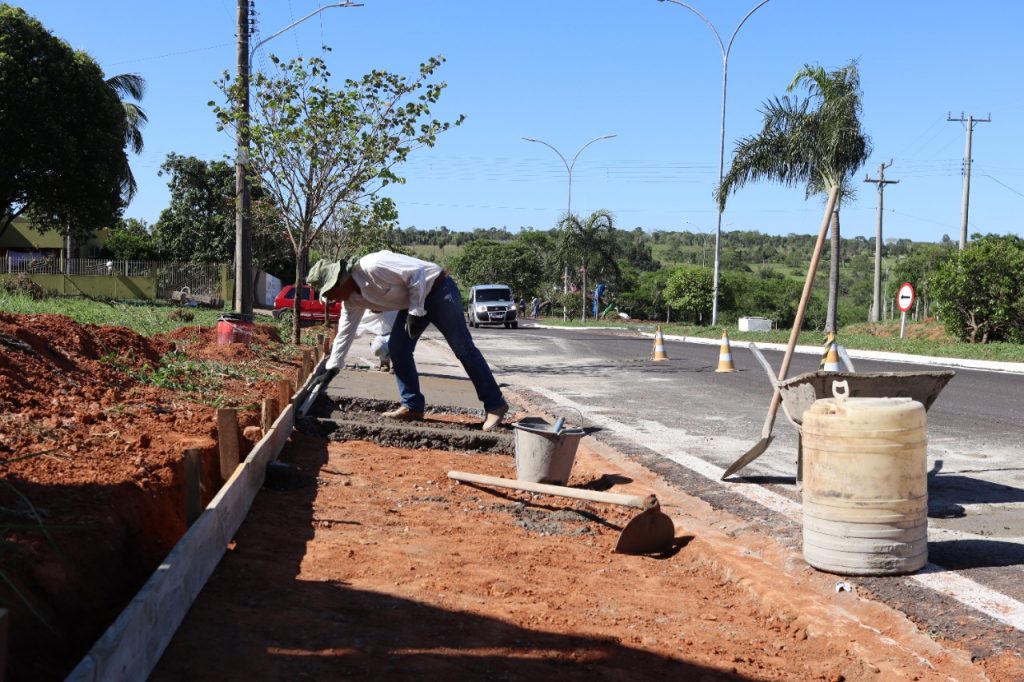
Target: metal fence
x=198, y=279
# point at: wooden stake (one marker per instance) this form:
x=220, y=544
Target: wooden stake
x=300, y=378
x=4, y=627
x=228, y=441
x=320, y=341
x=193, y=477
x=284, y=393
x=307, y=363
x=268, y=414
x=318, y=353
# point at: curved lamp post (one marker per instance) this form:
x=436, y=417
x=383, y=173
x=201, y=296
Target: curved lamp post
x=725, y=48
x=568, y=210
x=243, y=226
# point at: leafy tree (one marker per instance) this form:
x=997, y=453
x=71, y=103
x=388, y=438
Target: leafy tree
x=543, y=247
x=588, y=243
x=817, y=142
x=198, y=224
x=131, y=239
x=62, y=159
x=636, y=251
x=486, y=262
x=319, y=151
x=689, y=291
x=130, y=85
x=980, y=290
x=362, y=229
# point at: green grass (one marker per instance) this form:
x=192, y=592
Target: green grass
x=145, y=318
x=855, y=337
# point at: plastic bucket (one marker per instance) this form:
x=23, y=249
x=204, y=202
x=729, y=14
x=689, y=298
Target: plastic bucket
x=542, y=456
x=234, y=328
x=865, y=492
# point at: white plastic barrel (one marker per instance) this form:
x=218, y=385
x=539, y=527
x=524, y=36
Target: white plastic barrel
x=865, y=486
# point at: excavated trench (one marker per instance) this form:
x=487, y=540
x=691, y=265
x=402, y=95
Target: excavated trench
x=445, y=428
x=351, y=418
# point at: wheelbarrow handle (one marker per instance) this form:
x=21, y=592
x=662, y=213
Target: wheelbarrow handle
x=635, y=501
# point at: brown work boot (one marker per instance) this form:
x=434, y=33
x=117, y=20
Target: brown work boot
x=494, y=417
x=403, y=413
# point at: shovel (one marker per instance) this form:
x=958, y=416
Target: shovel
x=769, y=421
x=314, y=393
x=651, y=532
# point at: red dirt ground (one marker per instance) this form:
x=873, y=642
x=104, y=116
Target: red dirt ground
x=376, y=565
x=102, y=468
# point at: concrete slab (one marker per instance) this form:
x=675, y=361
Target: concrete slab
x=443, y=382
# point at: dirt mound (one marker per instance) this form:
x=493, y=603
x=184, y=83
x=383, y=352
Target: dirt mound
x=91, y=469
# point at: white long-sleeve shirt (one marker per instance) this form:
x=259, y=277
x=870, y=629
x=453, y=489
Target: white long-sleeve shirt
x=386, y=281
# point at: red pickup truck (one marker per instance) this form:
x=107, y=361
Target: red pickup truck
x=311, y=309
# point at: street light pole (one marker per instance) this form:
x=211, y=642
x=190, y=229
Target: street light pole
x=568, y=210
x=243, y=224
x=725, y=48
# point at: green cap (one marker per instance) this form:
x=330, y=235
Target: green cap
x=324, y=275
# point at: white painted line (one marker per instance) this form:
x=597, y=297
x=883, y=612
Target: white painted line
x=977, y=596
x=966, y=591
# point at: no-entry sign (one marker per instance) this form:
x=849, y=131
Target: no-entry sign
x=905, y=296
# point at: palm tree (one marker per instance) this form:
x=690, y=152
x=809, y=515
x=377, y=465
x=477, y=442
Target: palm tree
x=589, y=242
x=125, y=86
x=817, y=142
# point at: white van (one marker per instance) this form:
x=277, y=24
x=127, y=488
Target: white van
x=491, y=304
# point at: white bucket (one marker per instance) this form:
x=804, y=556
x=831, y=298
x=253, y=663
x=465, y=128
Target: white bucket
x=542, y=456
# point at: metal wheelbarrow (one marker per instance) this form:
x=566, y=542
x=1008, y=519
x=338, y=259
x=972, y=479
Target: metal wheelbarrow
x=799, y=392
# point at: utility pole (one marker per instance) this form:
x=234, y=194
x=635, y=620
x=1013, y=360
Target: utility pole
x=876, y=305
x=243, y=227
x=970, y=121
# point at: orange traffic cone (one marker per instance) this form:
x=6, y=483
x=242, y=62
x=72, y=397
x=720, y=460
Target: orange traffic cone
x=831, y=363
x=725, y=355
x=659, y=346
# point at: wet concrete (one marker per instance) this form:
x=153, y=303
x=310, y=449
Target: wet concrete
x=344, y=412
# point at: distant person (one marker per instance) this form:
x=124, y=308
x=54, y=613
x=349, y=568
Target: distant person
x=535, y=306
x=380, y=325
x=422, y=293
x=522, y=306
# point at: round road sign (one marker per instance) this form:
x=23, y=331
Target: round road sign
x=905, y=296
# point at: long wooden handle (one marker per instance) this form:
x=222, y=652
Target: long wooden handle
x=635, y=501
x=830, y=205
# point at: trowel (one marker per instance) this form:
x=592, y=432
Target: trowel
x=650, y=532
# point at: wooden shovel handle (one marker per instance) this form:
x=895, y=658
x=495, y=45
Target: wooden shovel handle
x=805, y=296
x=636, y=501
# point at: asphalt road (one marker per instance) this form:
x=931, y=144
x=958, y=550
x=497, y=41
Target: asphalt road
x=691, y=423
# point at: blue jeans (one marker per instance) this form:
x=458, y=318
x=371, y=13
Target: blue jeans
x=444, y=311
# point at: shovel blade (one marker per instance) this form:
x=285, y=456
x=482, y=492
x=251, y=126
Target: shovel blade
x=751, y=454
x=651, y=532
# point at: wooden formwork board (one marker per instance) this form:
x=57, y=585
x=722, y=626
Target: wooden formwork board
x=133, y=644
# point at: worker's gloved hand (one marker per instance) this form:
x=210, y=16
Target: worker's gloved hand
x=329, y=374
x=415, y=325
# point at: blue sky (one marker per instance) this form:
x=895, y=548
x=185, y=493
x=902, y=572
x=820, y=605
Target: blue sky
x=567, y=71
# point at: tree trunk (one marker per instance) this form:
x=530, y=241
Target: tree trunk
x=300, y=276
x=831, y=321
